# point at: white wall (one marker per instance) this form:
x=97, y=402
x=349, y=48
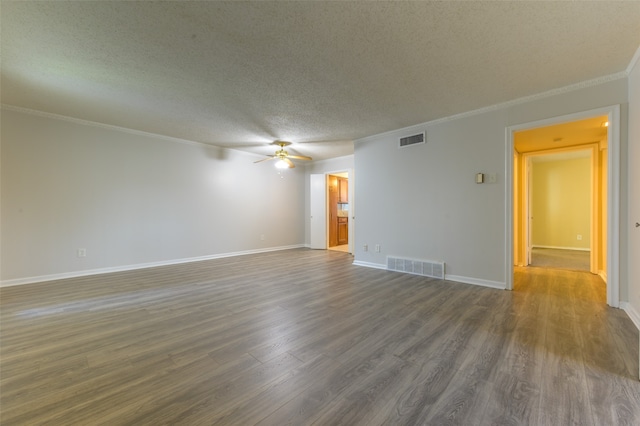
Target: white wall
x=133, y=199
x=422, y=202
x=634, y=191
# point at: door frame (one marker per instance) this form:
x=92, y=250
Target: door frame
x=318, y=211
x=613, y=193
x=594, y=194
x=319, y=219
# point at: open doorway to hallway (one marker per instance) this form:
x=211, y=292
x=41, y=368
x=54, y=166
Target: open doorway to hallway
x=515, y=233
x=560, y=196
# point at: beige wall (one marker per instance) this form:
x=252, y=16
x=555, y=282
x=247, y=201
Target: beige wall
x=433, y=209
x=561, y=203
x=132, y=200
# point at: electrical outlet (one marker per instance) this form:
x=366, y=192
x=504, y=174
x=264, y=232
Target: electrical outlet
x=82, y=252
x=377, y=248
x=365, y=247
x=579, y=237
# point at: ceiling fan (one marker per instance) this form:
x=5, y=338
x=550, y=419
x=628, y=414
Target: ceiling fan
x=283, y=157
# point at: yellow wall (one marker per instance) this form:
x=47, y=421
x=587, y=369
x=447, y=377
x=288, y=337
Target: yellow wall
x=561, y=203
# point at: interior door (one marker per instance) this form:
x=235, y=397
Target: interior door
x=318, y=211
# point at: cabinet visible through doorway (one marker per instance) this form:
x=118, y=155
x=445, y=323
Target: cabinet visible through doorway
x=338, y=210
x=343, y=190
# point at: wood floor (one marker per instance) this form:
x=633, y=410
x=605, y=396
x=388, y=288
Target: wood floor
x=575, y=260
x=304, y=337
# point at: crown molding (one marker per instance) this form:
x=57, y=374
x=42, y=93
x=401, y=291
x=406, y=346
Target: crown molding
x=634, y=61
x=504, y=105
x=101, y=125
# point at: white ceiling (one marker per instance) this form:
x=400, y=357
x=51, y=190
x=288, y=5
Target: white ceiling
x=319, y=74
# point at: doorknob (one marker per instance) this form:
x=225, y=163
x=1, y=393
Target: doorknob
x=637, y=224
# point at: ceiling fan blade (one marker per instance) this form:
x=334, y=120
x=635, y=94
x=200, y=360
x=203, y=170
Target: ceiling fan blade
x=300, y=157
x=271, y=157
x=289, y=162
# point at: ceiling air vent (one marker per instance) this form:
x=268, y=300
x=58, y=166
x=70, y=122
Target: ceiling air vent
x=412, y=140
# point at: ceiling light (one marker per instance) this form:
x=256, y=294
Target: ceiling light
x=605, y=124
x=281, y=164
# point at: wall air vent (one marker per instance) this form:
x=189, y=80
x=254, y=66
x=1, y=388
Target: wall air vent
x=427, y=268
x=413, y=140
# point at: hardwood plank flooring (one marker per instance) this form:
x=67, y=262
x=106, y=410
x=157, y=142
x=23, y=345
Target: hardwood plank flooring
x=304, y=337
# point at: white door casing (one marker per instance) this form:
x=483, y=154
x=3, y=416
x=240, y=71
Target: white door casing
x=352, y=211
x=318, y=211
x=613, y=194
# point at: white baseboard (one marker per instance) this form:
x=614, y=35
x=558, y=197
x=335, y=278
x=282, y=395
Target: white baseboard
x=75, y=274
x=603, y=275
x=562, y=248
x=476, y=281
x=457, y=278
x=633, y=314
x=370, y=264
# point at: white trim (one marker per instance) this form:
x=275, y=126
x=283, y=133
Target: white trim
x=613, y=193
x=104, y=126
x=42, y=278
x=475, y=281
x=370, y=265
x=509, y=206
x=456, y=278
x=634, y=61
x=562, y=248
x=603, y=275
x=82, y=122
x=319, y=163
x=504, y=105
x=633, y=314
x=613, y=207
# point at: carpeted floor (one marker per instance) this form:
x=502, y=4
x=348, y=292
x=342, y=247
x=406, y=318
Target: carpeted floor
x=574, y=260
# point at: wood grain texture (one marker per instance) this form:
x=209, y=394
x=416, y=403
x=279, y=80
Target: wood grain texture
x=304, y=337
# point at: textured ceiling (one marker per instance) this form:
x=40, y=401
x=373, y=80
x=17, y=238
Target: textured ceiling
x=239, y=74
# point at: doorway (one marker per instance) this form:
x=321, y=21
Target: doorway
x=596, y=131
x=332, y=207
x=338, y=211
x=562, y=213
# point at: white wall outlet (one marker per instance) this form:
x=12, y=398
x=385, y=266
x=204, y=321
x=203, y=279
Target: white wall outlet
x=82, y=252
x=377, y=248
x=579, y=237
x=365, y=247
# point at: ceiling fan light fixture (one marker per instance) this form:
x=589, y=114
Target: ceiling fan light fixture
x=283, y=158
x=281, y=164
